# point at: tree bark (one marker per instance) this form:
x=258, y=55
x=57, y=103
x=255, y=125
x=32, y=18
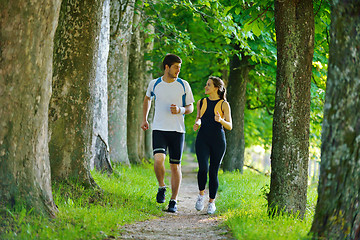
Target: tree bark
x=71, y=106
x=337, y=214
x=238, y=78
x=148, y=65
x=99, y=145
x=26, y=38
x=121, y=16
x=294, y=22
x=135, y=136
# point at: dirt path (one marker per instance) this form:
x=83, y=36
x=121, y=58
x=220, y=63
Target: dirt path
x=187, y=223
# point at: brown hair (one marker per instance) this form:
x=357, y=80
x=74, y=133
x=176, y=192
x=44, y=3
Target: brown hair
x=170, y=59
x=220, y=85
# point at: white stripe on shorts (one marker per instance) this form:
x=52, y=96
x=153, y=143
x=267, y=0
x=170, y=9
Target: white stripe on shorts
x=159, y=149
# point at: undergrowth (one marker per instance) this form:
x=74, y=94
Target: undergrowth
x=128, y=195
x=125, y=196
x=242, y=203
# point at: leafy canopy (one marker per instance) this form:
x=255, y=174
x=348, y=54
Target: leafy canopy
x=204, y=34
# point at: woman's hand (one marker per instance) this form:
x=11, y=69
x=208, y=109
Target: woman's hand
x=218, y=118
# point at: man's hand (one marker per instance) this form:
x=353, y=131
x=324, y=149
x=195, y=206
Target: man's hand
x=197, y=124
x=174, y=109
x=145, y=125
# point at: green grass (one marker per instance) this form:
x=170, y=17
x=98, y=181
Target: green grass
x=243, y=205
x=127, y=196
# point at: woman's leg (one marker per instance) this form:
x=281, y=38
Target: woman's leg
x=202, y=154
x=216, y=155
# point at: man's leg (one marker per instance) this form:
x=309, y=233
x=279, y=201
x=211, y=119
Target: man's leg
x=176, y=177
x=175, y=152
x=159, y=168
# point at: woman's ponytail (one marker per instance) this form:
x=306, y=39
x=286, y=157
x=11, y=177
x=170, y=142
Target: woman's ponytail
x=220, y=85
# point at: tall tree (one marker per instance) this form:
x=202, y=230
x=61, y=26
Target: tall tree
x=99, y=146
x=121, y=17
x=148, y=66
x=238, y=78
x=337, y=214
x=71, y=105
x=135, y=136
x=26, y=36
x=294, y=23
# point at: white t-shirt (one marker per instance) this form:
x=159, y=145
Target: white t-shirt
x=165, y=95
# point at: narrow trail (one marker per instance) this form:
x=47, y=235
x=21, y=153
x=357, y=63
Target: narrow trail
x=187, y=223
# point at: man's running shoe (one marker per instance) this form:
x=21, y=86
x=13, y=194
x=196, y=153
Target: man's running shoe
x=172, y=206
x=211, y=208
x=199, y=205
x=160, y=196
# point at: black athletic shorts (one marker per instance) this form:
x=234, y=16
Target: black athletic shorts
x=173, y=141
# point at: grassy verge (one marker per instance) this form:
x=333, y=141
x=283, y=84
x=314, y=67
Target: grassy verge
x=127, y=196
x=242, y=203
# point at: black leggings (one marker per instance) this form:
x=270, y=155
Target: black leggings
x=213, y=145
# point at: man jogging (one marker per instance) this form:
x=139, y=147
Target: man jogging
x=173, y=99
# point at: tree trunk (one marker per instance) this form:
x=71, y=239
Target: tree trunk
x=71, y=106
x=121, y=16
x=26, y=37
x=135, y=135
x=294, y=22
x=238, y=78
x=337, y=214
x=99, y=145
x=148, y=47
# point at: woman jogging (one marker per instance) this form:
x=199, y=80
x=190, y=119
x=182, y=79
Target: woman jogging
x=213, y=115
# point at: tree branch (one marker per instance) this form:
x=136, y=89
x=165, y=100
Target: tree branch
x=265, y=11
x=318, y=9
x=256, y=170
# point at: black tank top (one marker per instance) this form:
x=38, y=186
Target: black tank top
x=208, y=122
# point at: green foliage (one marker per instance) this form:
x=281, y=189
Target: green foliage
x=203, y=33
x=242, y=202
x=320, y=66
x=259, y=128
x=212, y=27
x=126, y=196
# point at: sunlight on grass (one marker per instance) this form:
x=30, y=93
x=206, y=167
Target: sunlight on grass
x=125, y=197
x=242, y=203
x=128, y=195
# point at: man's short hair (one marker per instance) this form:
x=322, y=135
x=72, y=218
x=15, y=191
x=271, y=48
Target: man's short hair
x=170, y=59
